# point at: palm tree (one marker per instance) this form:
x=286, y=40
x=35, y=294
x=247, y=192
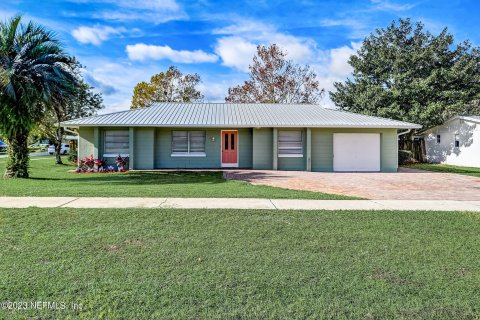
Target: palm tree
x=34, y=70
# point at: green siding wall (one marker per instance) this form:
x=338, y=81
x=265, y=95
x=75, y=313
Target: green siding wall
x=308, y=150
x=389, y=150
x=86, y=142
x=296, y=164
x=144, y=148
x=151, y=148
x=262, y=149
x=131, y=148
x=322, y=148
x=245, y=148
x=163, y=147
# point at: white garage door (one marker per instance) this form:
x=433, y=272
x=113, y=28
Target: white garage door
x=356, y=152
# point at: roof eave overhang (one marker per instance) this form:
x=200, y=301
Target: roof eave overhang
x=244, y=126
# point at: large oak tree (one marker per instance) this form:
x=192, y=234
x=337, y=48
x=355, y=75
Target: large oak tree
x=275, y=79
x=404, y=72
x=169, y=86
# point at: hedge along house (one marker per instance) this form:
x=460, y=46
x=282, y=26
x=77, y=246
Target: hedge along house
x=253, y=136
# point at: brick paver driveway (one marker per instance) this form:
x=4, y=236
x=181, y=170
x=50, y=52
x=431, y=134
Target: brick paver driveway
x=403, y=185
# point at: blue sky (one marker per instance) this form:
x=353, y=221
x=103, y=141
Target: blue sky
x=122, y=42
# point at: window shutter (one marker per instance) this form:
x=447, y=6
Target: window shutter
x=116, y=141
x=179, y=141
x=290, y=142
x=197, y=141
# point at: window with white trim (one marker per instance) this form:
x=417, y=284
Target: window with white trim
x=438, y=138
x=116, y=142
x=290, y=144
x=188, y=143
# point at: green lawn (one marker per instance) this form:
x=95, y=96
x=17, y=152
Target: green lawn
x=468, y=171
x=233, y=264
x=48, y=179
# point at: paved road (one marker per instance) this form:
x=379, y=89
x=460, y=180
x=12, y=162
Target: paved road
x=238, y=203
x=35, y=154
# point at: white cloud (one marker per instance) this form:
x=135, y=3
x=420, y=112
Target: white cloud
x=164, y=5
x=339, y=59
x=236, y=52
x=362, y=22
x=98, y=85
x=238, y=45
x=385, y=5
x=142, y=52
x=95, y=35
x=357, y=28
x=334, y=67
x=247, y=28
x=116, y=79
x=152, y=11
x=215, y=89
x=120, y=105
x=347, y=22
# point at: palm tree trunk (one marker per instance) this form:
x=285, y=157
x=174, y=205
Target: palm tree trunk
x=18, y=155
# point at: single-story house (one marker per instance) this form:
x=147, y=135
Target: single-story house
x=253, y=136
x=455, y=142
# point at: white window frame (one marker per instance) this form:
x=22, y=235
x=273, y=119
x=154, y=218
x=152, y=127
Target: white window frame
x=188, y=153
x=290, y=155
x=114, y=154
x=438, y=139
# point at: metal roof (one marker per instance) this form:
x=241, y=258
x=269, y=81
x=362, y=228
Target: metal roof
x=467, y=118
x=471, y=118
x=234, y=115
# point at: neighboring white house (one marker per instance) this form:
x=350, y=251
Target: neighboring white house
x=456, y=142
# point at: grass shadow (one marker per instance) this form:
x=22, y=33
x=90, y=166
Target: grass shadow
x=148, y=178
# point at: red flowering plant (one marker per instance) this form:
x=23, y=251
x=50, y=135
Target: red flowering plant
x=91, y=165
x=100, y=165
x=86, y=164
x=89, y=161
x=120, y=162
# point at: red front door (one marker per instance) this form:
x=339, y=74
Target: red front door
x=229, y=147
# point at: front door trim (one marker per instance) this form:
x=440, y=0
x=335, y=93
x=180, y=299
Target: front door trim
x=228, y=165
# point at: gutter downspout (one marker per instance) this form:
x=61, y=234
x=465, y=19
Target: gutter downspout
x=78, y=142
x=71, y=131
x=402, y=133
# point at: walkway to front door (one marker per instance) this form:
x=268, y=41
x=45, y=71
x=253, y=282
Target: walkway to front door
x=229, y=148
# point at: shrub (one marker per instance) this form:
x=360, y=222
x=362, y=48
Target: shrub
x=92, y=165
x=404, y=156
x=72, y=157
